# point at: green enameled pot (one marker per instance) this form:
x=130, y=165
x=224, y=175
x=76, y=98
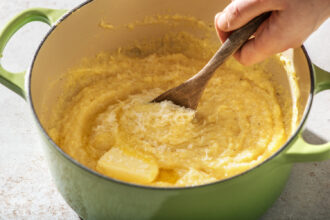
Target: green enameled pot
x=77, y=34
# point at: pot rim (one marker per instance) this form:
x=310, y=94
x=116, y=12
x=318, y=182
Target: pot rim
x=110, y=179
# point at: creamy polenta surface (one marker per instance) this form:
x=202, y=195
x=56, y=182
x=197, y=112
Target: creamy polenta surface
x=104, y=118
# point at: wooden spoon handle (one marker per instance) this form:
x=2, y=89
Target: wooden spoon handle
x=232, y=44
x=188, y=93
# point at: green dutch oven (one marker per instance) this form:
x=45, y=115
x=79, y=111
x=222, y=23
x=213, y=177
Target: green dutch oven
x=77, y=34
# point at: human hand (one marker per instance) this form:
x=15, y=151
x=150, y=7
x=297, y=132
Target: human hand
x=290, y=23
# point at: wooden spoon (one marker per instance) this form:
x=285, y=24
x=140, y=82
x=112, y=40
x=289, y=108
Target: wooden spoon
x=188, y=93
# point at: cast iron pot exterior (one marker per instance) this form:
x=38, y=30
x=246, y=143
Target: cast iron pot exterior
x=94, y=196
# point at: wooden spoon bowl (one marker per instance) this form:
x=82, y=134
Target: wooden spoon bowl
x=189, y=93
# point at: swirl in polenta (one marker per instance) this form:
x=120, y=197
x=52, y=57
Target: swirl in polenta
x=104, y=118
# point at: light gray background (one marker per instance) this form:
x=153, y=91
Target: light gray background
x=26, y=188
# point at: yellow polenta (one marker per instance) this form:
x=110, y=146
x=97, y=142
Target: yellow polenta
x=105, y=120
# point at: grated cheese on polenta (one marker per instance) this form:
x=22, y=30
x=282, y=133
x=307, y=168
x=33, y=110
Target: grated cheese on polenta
x=105, y=120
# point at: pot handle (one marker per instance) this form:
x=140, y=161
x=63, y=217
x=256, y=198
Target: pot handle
x=16, y=81
x=301, y=151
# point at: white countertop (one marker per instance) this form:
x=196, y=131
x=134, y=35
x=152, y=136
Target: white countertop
x=26, y=188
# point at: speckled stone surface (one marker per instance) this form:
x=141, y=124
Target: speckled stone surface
x=26, y=188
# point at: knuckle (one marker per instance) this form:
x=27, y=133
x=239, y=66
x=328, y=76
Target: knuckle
x=234, y=10
x=231, y=14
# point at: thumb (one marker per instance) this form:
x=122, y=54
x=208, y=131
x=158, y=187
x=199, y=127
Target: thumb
x=222, y=34
x=271, y=37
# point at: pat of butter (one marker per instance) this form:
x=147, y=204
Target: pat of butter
x=128, y=165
